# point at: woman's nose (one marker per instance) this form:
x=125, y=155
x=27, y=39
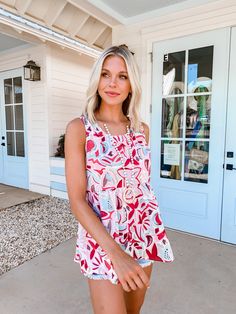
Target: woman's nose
x=112, y=81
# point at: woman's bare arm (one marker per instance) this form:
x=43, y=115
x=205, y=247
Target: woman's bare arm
x=146, y=132
x=76, y=185
x=128, y=271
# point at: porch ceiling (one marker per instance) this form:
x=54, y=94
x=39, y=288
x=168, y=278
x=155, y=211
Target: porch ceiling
x=76, y=19
x=9, y=42
x=135, y=11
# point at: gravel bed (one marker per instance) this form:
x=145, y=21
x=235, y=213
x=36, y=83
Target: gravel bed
x=31, y=228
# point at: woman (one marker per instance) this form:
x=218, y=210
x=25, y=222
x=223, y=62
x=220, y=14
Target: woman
x=107, y=158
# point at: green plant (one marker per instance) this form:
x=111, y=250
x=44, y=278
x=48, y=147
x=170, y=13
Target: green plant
x=60, y=148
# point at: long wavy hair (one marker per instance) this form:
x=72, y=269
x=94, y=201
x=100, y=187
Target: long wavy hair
x=131, y=105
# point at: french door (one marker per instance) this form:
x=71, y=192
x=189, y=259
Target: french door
x=229, y=195
x=188, y=130
x=13, y=148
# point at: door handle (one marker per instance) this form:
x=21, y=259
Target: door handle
x=230, y=167
x=3, y=144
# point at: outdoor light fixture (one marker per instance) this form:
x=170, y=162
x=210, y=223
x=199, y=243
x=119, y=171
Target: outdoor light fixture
x=31, y=71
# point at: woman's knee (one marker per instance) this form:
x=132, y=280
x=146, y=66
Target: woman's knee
x=106, y=296
x=134, y=308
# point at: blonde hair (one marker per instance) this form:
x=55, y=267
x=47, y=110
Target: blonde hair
x=131, y=104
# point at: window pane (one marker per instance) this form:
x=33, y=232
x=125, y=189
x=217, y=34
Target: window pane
x=20, y=148
x=8, y=91
x=19, y=117
x=17, y=83
x=10, y=144
x=9, y=117
x=173, y=73
x=198, y=116
x=196, y=161
x=200, y=70
x=171, y=159
x=172, y=124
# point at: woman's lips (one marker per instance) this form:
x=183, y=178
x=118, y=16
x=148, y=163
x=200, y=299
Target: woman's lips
x=112, y=94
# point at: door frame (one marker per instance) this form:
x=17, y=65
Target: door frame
x=5, y=74
x=209, y=38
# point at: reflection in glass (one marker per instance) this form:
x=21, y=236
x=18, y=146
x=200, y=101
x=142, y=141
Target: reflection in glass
x=171, y=161
x=200, y=64
x=196, y=161
x=20, y=149
x=10, y=144
x=8, y=91
x=172, y=124
x=19, y=117
x=198, y=116
x=9, y=117
x=17, y=90
x=173, y=72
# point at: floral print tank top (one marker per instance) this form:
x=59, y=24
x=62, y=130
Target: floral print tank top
x=137, y=227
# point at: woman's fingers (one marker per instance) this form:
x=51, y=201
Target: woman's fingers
x=131, y=275
x=125, y=285
x=144, y=278
x=135, y=280
x=139, y=283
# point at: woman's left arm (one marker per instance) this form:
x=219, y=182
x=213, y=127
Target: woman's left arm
x=146, y=132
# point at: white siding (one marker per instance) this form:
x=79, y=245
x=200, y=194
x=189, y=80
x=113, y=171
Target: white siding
x=35, y=104
x=140, y=36
x=50, y=103
x=68, y=75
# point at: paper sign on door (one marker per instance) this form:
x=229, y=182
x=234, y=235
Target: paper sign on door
x=172, y=154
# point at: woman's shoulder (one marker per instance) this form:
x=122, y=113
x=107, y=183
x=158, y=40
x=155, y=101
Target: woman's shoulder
x=76, y=126
x=144, y=128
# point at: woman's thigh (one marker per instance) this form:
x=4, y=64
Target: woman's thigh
x=134, y=299
x=106, y=297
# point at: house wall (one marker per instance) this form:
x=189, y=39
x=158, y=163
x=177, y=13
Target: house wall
x=49, y=103
x=141, y=36
x=36, y=114
x=68, y=74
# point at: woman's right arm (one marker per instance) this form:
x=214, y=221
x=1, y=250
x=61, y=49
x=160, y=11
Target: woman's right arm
x=128, y=271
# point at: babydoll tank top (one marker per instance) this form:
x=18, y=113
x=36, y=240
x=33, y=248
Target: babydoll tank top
x=137, y=226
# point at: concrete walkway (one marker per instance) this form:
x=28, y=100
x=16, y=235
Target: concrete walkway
x=202, y=280
x=10, y=196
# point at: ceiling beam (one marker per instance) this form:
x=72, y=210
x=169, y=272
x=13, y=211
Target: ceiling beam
x=95, y=32
x=54, y=10
x=77, y=23
x=95, y=12
x=22, y=5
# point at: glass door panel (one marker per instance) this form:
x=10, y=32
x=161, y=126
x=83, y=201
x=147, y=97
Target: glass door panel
x=14, y=117
x=184, y=156
x=173, y=73
x=172, y=122
x=200, y=69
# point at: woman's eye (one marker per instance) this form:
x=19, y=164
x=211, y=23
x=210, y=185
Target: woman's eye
x=104, y=74
x=123, y=77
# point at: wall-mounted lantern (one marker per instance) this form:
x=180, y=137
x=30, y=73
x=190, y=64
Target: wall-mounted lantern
x=31, y=71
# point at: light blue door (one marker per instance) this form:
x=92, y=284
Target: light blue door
x=229, y=199
x=13, y=153
x=188, y=130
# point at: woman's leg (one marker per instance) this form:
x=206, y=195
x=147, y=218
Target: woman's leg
x=134, y=299
x=106, y=297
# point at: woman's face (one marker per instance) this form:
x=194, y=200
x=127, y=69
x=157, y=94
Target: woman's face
x=114, y=85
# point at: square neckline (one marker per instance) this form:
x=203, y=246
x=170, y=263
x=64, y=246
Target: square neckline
x=113, y=135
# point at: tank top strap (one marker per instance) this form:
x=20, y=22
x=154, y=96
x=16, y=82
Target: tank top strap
x=85, y=121
x=141, y=128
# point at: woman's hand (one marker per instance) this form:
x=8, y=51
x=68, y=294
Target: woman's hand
x=130, y=274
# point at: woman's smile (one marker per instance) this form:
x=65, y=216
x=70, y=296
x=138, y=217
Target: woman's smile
x=112, y=94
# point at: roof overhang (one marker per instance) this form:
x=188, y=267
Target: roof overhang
x=75, y=24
